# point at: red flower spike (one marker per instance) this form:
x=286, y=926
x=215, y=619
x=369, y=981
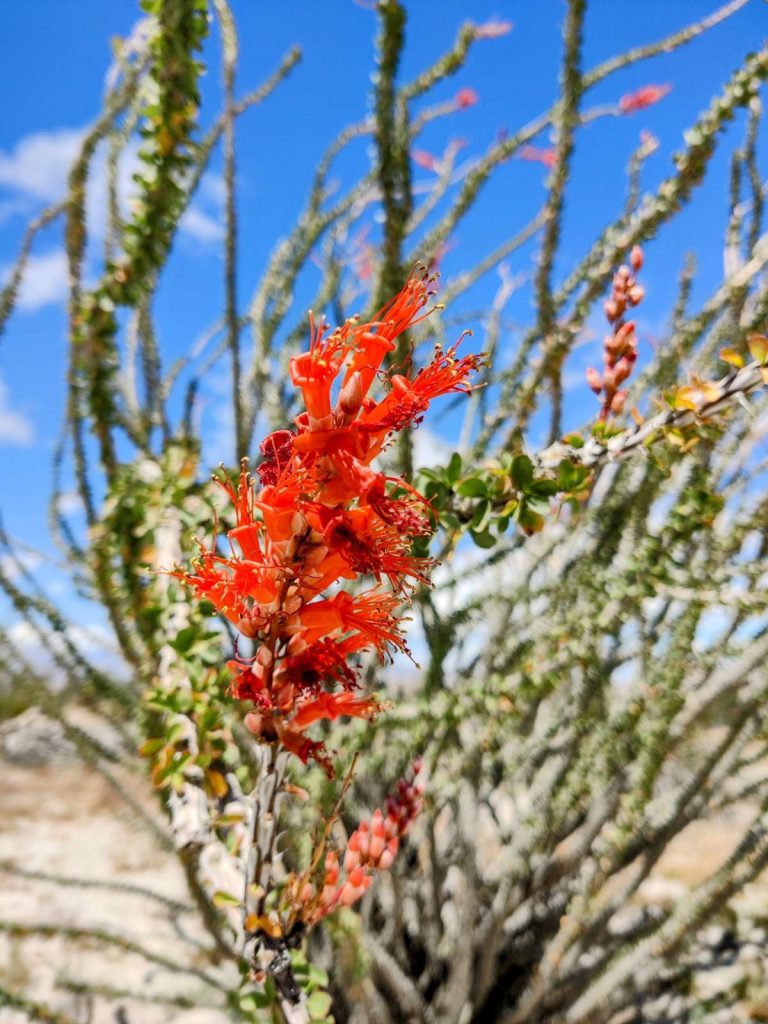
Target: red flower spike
x=322, y=515
x=372, y=847
x=620, y=346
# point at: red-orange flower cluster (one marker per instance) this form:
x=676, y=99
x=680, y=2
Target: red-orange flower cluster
x=321, y=516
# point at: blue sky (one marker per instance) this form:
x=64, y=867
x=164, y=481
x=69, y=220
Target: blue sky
x=55, y=55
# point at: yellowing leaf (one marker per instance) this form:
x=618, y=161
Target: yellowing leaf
x=684, y=398
x=225, y=899
x=266, y=923
x=218, y=783
x=758, y=347
x=731, y=356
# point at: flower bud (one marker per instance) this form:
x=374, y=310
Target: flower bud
x=594, y=380
x=356, y=877
x=264, y=656
x=617, y=402
x=622, y=370
x=351, y=397
x=376, y=849
x=636, y=258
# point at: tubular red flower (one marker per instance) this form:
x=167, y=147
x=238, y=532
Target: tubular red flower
x=408, y=400
x=333, y=705
x=370, y=615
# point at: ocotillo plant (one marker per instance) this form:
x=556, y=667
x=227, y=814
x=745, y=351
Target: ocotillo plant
x=591, y=681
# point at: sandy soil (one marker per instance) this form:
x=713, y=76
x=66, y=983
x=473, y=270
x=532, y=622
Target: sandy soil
x=68, y=820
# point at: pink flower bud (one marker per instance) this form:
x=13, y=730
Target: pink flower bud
x=356, y=877
x=466, y=98
x=617, y=402
x=376, y=849
x=594, y=380
x=386, y=860
x=622, y=370
x=351, y=396
x=492, y=29
x=636, y=294
x=625, y=333
x=331, y=868
x=347, y=895
x=254, y=723
x=636, y=258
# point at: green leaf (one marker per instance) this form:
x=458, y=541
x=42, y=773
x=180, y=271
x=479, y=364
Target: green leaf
x=539, y=504
x=472, y=487
x=566, y=476
x=484, y=539
x=544, y=488
x=574, y=440
x=150, y=747
x=436, y=493
x=317, y=976
x=255, y=1001
x=522, y=471
x=479, y=514
x=184, y=639
x=319, y=1005
x=450, y=521
x=225, y=899
x=453, y=469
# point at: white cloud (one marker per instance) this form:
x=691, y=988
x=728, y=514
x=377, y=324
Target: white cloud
x=202, y=226
x=36, y=169
x=45, y=280
x=70, y=503
x=15, y=427
x=39, y=163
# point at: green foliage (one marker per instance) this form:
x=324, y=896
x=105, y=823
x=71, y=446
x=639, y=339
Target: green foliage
x=484, y=501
